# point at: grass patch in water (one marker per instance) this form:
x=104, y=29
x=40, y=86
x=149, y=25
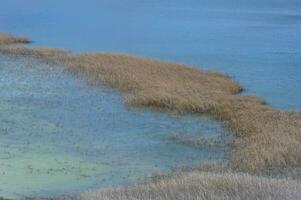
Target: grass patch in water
x=8, y=39
x=264, y=140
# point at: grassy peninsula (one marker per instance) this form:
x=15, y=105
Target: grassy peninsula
x=265, y=143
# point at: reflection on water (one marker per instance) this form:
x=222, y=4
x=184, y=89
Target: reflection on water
x=59, y=135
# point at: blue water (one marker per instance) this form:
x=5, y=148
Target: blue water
x=59, y=135
x=257, y=42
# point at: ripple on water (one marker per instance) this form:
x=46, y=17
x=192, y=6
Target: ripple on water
x=59, y=135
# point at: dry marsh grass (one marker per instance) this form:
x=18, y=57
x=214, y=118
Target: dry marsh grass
x=8, y=39
x=204, y=186
x=53, y=55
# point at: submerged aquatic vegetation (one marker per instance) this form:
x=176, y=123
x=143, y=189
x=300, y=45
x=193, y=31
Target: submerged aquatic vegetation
x=264, y=140
x=198, y=141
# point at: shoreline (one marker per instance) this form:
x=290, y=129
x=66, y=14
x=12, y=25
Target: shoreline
x=257, y=146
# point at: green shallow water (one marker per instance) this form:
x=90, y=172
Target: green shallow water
x=59, y=135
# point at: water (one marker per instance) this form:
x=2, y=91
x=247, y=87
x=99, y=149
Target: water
x=49, y=123
x=59, y=135
x=257, y=42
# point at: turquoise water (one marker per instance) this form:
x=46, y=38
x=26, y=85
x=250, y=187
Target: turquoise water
x=59, y=135
x=256, y=42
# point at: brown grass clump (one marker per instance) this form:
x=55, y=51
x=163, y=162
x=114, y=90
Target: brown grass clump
x=264, y=139
x=8, y=39
x=53, y=55
x=204, y=186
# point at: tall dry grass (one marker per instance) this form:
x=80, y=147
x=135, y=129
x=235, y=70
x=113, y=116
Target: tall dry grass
x=53, y=55
x=204, y=186
x=8, y=39
x=264, y=139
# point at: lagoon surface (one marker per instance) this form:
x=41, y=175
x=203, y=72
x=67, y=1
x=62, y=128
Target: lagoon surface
x=59, y=135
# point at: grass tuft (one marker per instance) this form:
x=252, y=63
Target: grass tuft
x=8, y=39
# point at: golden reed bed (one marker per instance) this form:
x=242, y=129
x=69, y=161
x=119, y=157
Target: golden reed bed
x=265, y=141
x=203, y=186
